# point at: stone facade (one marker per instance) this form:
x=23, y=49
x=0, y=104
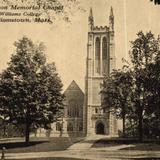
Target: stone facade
x=83, y=115
x=71, y=124
x=100, y=62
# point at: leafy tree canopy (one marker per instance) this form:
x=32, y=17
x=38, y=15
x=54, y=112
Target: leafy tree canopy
x=135, y=92
x=30, y=89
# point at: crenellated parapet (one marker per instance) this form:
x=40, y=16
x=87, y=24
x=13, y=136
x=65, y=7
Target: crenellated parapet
x=100, y=29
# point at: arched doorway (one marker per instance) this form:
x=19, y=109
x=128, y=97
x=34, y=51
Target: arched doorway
x=100, y=128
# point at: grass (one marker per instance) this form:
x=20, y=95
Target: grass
x=39, y=145
x=54, y=158
x=63, y=158
x=145, y=159
x=143, y=147
x=135, y=144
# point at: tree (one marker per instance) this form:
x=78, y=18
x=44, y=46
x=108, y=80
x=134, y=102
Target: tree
x=30, y=89
x=144, y=50
x=136, y=92
x=152, y=112
x=116, y=92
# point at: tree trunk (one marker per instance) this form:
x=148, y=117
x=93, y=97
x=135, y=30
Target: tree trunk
x=124, y=125
x=4, y=131
x=140, y=126
x=124, y=120
x=140, y=111
x=27, y=132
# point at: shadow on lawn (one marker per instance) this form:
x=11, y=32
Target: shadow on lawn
x=126, y=141
x=145, y=159
x=12, y=145
x=63, y=158
x=151, y=145
x=55, y=158
x=39, y=145
x=143, y=147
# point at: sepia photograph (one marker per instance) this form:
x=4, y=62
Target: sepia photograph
x=80, y=79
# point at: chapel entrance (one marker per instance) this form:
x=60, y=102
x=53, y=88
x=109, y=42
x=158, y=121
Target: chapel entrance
x=100, y=128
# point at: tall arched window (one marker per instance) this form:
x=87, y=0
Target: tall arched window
x=73, y=108
x=80, y=126
x=69, y=127
x=104, y=55
x=58, y=126
x=97, y=55
x=77, y=111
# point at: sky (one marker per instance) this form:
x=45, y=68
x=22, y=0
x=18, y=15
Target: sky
x=66, y=44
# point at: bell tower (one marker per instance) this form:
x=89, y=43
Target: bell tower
x=99, y=63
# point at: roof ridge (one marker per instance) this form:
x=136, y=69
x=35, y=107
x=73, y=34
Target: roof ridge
x=73, y=83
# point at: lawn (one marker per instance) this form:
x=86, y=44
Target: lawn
x=131, y=144
x=143, y=147
x=38, y=144
x=61, y=158
x=55, y=158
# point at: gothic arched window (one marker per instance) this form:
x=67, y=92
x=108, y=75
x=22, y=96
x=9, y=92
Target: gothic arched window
x=58, y=126
x=104, y=48
x=70, y=127
x=97, y=55
x=104, y=54
x=80, y=126
x=73, y=108
x=77, y=111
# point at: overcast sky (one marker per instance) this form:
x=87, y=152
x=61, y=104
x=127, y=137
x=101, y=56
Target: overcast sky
x=67, y=44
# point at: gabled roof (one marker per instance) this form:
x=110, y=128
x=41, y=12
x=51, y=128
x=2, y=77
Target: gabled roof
x=73, y=86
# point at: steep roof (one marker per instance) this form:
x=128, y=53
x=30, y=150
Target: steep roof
x=73, y=86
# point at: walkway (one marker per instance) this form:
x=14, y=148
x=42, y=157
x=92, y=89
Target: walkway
x=86, y=143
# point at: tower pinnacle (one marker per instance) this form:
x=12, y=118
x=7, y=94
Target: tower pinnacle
x=111, y=20
x=90, y=20
x=91, y=13
x=111, y=11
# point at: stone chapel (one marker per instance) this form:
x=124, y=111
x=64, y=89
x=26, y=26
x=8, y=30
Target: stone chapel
x=83, y=115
